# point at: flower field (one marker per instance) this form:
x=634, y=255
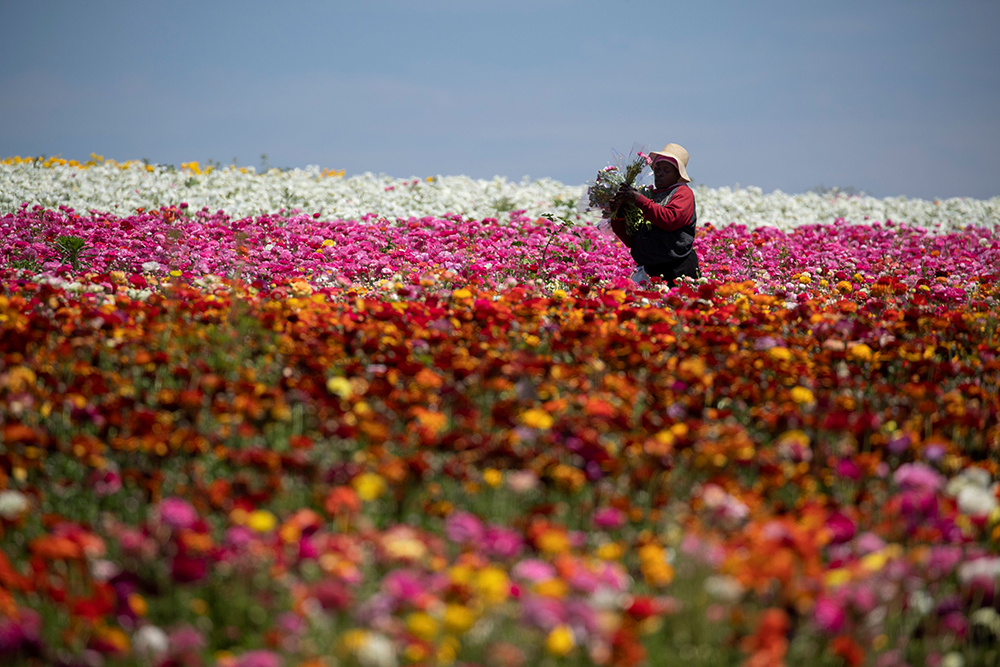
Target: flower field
x=305, y=420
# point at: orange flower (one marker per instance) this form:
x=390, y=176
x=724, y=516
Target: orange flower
x=51, y=547
x=342, y=499
x=769, y=645
x=846, y=648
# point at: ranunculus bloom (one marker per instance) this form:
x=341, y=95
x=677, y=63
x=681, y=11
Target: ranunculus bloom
x=918, y=476
x=609, y=518
x=533, y=570
x=841, y=528
x=177, y=513
x=186, y=570
x=829, y=615
x=463, y=527
x=502, y=542
x=259, y=659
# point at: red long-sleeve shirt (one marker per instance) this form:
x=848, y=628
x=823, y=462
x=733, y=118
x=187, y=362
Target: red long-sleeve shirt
x=677, y=213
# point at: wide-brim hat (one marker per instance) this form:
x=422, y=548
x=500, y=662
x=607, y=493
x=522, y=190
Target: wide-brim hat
x=676, y=154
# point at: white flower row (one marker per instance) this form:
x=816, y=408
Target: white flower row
x=122, y=189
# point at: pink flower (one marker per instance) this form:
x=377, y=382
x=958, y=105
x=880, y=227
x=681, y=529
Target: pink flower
x=918, y=476
x=404, y=585
x=259, y=659
x=177, y=513
x=533, y=570
x=847, y=468
x=829, y=615
x=609, y=518
x=186, y=640
x=502, y=542
x=841, y=528
x=463, y=528
x=544, y=613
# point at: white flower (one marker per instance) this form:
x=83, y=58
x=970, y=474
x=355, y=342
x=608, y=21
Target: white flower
x=724, y=588
x=971, y=489
x=987, y=617
x=377, y=651
x=13, y=504
x=981, y=568
x=976, y=501
x=149, y=267
x=953, y=659
x=151, y=641
x=110, y=188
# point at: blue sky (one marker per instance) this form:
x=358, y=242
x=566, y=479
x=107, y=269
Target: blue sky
x=895, y=98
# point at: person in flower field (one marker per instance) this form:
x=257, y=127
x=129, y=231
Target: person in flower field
x=664, y=247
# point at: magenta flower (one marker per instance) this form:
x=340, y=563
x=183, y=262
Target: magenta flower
x=501, y=542
x=841, y=528
x=177, y=513
x=829, y=615
x=404, y=585
x=609, y=518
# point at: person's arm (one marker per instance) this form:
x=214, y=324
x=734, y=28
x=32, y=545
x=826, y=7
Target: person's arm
x=676, y=214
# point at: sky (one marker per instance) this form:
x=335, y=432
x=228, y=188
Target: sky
x=894, y=98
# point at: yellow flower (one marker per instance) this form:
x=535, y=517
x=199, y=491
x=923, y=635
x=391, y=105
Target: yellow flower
x=339, y=386
x=837, y=577
x=560, y=641
x=447, y=651
x=537, y=418
x=493, y=584
x=422, y=625
x=493, y=477
x=559, y=294
x=780, y=353
x=609, y=551
x=802, y=396
x=461, y=575
x=261, y=521
x=461, y=293
x=458, y=618
x=874, y=562
x=351, y=641
x=845, y=287
x=369, y=486
x=805, y=279
x=552, y=588
x=553, y=542
x=861, y=352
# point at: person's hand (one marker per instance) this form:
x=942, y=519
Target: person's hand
x=626, y=195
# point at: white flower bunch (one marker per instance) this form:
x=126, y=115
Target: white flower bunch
x=122, y=188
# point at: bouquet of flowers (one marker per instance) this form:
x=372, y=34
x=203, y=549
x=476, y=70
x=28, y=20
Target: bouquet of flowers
x=602, y=190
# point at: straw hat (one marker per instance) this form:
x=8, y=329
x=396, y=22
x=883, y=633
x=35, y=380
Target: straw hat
x=677, y=155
